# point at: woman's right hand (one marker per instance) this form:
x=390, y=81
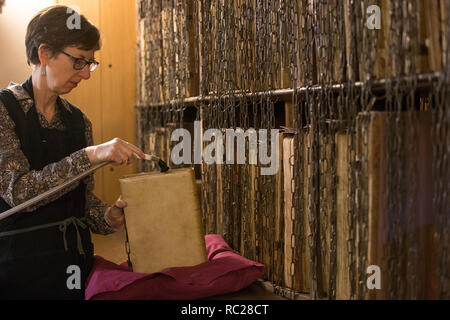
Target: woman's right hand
x=116, y=151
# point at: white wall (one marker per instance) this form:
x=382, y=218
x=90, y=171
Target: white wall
x=13, y=24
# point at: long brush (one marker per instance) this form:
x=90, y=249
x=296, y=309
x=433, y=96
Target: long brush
x=162, y=165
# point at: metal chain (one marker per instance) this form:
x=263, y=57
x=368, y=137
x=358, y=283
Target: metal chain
x=244, y=49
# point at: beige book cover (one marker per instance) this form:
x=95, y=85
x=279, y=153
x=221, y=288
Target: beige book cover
x=163, y=220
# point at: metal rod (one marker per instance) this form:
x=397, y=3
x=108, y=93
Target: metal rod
x=423, y=80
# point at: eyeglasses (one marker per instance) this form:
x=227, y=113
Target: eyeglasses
x=80, y=63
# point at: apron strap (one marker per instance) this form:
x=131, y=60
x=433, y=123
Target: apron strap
x=77, y=222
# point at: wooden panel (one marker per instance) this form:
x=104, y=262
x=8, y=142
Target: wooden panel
x=118, y=83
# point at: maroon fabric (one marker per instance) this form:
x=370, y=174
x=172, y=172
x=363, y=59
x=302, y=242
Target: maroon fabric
x=224, y=272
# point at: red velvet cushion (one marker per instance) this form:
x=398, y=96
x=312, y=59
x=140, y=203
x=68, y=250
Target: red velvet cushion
x=224, y=272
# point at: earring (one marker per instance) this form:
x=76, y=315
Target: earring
x=43, y=72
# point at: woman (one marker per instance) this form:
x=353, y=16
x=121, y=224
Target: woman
x=45, y=140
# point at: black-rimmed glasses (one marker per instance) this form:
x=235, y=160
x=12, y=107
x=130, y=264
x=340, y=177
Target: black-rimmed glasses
x=80, y=63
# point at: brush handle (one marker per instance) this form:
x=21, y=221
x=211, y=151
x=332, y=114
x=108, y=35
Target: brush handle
x=148, y=157
x=51, y=192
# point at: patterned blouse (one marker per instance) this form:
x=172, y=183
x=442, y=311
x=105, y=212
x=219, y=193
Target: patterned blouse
x=18, y=184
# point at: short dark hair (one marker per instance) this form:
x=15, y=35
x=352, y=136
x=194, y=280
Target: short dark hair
x=50, y=27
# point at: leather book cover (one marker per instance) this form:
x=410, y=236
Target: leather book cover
x=163, y=220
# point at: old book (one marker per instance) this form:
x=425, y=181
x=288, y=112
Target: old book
x=444, y=8
x=377, y=204
x=163, y=220
x=168, y=50
x=342, y=213
x=296, y=260
x=193, y=85
x=289, y=248
x=330, y=63
x=323, y=220
x=271, y=216
x=418, y=274
x=180, y=76
x=149, y=51
x=431, y=15
x=338, y=60
x=305, y=212
x=279, y=217
x=301, y=81
x=382, y=49
x=219, y=202
x=352, y=66
x=253, y=176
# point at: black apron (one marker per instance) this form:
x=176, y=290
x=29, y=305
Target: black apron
x=43, y=252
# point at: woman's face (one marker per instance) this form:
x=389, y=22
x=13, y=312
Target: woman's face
x=61, y=77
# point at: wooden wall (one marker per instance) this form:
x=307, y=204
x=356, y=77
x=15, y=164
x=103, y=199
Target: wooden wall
x=13, y=59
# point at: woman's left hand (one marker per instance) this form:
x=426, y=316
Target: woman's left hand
x=114, y=215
